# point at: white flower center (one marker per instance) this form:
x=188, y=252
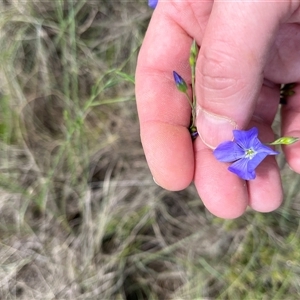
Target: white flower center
x=250, y=153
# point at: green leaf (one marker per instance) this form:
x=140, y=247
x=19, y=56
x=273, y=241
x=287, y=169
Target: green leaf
x=126, y=77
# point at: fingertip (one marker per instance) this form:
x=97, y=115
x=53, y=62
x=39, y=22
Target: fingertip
x=265, y=191
x=292, y=153
x=222, y=192
x=230, y=213
x=169, y=153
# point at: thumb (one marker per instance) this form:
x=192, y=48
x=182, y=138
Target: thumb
x=230, y=65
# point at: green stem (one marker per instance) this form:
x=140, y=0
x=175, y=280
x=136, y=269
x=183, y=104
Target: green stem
x=193, y=58
x=189, y=100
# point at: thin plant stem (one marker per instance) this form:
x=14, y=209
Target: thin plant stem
x=193, y=58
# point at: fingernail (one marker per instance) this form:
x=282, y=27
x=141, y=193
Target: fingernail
x=214, y=129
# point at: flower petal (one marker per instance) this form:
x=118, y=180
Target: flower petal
x=246, y=152
x=152, y=3
x=256, y=160
x=242, y=169
x=245, y=138
x=228, y=152
x=261, y=148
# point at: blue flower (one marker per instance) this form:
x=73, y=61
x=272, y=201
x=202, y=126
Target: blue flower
x=246, y=152
x=152, y=3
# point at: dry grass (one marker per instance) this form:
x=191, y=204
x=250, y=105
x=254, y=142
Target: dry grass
x=80, y=217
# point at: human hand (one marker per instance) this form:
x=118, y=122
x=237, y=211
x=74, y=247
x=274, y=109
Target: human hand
x=247, y=50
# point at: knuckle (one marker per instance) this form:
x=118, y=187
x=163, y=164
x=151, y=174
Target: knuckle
x=220, y=71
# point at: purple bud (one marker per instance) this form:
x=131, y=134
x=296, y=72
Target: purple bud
x=180, y=83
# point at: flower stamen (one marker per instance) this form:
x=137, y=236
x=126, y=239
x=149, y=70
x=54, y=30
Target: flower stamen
x=250, y=153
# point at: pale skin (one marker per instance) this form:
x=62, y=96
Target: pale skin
x=247, y=50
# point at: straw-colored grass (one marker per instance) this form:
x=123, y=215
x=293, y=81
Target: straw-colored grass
x=80, y=217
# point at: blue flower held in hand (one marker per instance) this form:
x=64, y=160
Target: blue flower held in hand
x=246, y=152
x=152, y=3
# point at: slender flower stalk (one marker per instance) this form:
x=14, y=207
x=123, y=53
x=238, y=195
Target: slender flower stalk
x=192, y=60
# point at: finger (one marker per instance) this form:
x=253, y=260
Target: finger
x=291, y=127
x=283, y=63
x=224, y=193
x=265, y=191
x=164, y=112
x=230, y=65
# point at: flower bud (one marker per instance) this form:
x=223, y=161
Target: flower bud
x=285, y=140
x=180, y=83
x=193, y=54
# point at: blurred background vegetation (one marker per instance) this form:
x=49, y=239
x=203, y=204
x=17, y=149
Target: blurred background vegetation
x=80, y=217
